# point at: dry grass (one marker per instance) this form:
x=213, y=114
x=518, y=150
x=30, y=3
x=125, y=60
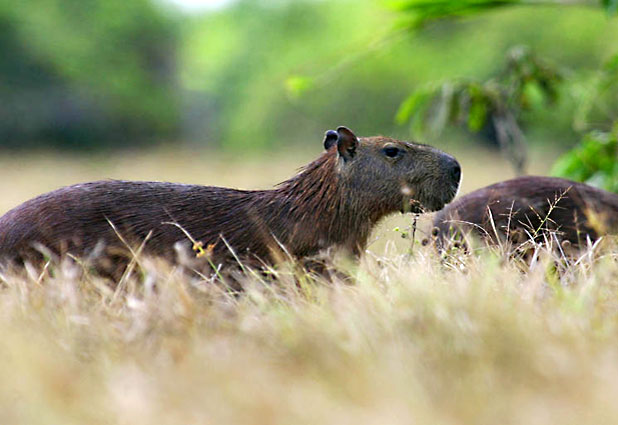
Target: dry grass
x=473, y=339
x=404, y=340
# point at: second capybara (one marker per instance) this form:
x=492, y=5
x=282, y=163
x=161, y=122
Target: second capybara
x=332, y=202
x=526, y=208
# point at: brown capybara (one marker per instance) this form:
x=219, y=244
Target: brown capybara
x=332, y=202
x=525, y=208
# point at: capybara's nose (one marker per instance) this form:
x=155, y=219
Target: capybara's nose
x=452, y=168
x=456, y=171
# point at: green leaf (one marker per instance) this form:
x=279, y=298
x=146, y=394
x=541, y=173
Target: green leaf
x=297, y=85
x=532, y=95
x=477, y=113
x=477, y=116
x=594, y=161
x=411, y=106
x=428, y=10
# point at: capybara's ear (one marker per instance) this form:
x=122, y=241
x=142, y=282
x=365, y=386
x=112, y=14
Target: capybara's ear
x=330, y=138
x=346, y=142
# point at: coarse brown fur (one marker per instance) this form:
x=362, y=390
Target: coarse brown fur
x=334, y=201
x=526, y=208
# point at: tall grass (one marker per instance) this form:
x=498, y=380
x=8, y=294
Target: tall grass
x=397, y=339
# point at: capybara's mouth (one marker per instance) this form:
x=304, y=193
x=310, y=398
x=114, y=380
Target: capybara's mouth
x=416, y=206
x=450, y=195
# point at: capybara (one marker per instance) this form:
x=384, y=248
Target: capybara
x=525, y=208
x=333, y=201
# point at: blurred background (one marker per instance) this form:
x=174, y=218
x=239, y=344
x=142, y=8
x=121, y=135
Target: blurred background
x=179, y=89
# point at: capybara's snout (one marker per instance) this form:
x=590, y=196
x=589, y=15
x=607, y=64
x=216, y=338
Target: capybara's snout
x=440, y=182
x=451, y=170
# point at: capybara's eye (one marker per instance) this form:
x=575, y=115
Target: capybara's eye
x=391, y=151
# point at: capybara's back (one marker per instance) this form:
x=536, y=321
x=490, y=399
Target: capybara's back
x=120, y=215
x=526, y=207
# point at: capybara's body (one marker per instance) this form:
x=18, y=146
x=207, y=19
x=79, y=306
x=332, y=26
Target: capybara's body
x=333, y=201
x=527, y=207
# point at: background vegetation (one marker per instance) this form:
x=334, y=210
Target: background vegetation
x=86, y=73
x=258, y=73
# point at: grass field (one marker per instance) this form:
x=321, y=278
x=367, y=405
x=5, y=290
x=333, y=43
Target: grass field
x=405, y=339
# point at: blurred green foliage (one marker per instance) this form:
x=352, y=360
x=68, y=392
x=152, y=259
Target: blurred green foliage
x=494, y=106
x=611, y=6
x=594, y=161
x=422, y=11
x=83, y=72
x=268, y=75
x=597, y=97
x=251, y=66
x=260, y=74
x=499, y=102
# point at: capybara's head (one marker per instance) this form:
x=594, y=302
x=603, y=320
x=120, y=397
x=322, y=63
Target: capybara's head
x=398, y=175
